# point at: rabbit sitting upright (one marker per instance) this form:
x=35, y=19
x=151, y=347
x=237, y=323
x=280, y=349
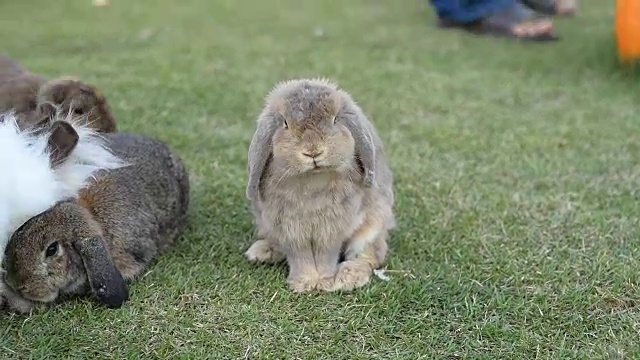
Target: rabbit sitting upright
x=33, y=98
x=107, y=235
x=320, y=187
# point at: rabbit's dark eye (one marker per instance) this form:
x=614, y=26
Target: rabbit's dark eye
x=334, y=120
x=78, y=111
x=52, y=249
x=284, y=122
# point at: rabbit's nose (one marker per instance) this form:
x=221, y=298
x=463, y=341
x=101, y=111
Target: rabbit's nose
x=312, y=154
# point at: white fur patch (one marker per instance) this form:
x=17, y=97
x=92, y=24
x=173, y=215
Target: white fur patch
x=28, y=183
x=380, y=273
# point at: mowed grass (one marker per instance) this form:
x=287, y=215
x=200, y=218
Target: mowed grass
x=517, y=171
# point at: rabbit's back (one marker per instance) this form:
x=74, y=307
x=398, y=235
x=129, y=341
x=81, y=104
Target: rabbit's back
x=18, y=91
x=142, y=208
x=159, y=175
x=10, y=68
x=18, y=86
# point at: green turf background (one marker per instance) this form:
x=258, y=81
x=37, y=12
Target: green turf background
x=516, y=172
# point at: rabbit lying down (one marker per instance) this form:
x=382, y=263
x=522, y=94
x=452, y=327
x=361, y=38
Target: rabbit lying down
x=320, y=187
x=43, y=166
x=33, y=97
x=108, y=234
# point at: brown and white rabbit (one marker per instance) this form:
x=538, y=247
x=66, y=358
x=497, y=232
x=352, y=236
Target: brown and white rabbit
x=320, y=186
x=109, y=234
x=31, y=97
x=42, y=166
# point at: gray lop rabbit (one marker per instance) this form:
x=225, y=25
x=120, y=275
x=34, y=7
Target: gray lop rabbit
x=106, y=236
x=320, y=187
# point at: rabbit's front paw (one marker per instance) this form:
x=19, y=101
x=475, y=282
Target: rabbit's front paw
x=264, y=252
x=20, y=305
x=352, y=274
x=304, y=283
x=326, y=283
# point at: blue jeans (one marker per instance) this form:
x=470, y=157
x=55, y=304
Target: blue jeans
x=464, y=11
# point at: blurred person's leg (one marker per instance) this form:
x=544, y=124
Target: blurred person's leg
x=464, y=11
x=497, y=17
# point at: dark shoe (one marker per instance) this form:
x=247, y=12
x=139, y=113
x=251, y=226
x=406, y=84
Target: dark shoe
x=553, y=7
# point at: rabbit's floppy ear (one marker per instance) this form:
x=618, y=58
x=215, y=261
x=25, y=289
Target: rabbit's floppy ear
x=365, y=151
x=62, y=140
x=260, y=151
x=105, y=279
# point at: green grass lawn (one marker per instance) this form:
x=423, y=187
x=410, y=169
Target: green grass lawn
x=517, y=172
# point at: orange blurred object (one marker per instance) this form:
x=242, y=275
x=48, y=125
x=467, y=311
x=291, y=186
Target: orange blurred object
x=628, y=30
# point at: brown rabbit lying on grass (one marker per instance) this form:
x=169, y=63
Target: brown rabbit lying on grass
x=42, y=166
x=31, y=97
x=320, y=187
x=110, y=234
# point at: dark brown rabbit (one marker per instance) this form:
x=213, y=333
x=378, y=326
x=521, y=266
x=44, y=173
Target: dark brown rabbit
x=108, y=235
x=34, y=98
